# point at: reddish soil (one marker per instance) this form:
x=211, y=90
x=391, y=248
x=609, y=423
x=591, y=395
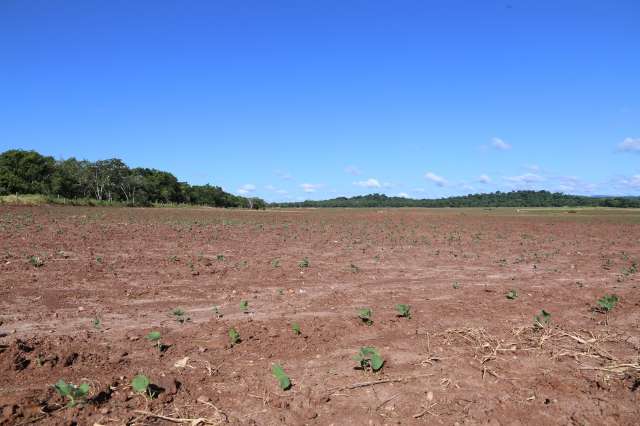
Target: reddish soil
x=468, y=355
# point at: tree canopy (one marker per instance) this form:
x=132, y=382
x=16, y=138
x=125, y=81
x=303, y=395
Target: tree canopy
x=496, y=199
x=28, y=172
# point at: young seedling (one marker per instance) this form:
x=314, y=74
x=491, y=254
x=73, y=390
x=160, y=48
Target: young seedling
x=97, y=323
x=36, y=261
x=296, y=329
x=275, y=263
x=75, y=394
x=403, y=310
x=541, y=320
x=234, y=336
x=608, y=302
x=369, y=359
x=280, y=292
x=283, y=379
x=155, y=336
x=456, y=285
x=140, y=384
x=512, y=294
x=217, y=312
x=180, y=315
x=354, y=268
x=220, y=257
x=365, y=315
x=244, y=306
x=304, y=263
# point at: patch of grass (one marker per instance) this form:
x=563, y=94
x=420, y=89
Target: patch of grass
x=155, y=337
x=180, y=315
x=244, y=306
x=608, y=302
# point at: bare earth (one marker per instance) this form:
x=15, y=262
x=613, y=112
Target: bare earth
x=468, y=355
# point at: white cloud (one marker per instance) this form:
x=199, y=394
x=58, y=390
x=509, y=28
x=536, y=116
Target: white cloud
x=525, y=178
x=484, y=179
x=246, y=189
x=310, y=187
x=498, y=143
x=438, y=180
x=369, y=183
x=403, y=195
x=631, y=182
x=281, y=191
x=630, y=145
x=352, y=170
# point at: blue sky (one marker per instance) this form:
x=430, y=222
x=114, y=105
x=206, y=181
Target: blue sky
x=292, y=100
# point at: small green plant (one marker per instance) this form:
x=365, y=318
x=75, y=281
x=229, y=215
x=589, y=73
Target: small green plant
x=403, y=310
x=140, y=384
x=354, y=268
x=220, y=257
x=36, y=261
x=283, y=379
x=369, y=359
x=296, y=329
x=275, y=263
x=244, y=306
x=97, y=323
x=608, y=302
x=365, y=315
x=155, y=337
x=512, y=294
x=234, y=336
x=304, y=263
x=75, y=394
x=180, y=315
x=456, y=285
x=542, y=319
x=217, y=312
x=280, y=292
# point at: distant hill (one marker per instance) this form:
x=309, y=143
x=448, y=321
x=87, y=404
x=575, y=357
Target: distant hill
x=495, y=199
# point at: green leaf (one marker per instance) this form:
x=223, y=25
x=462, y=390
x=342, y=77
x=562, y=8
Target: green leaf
x=62, y=388
x=608, y=302
x=82, y=390
x=153, y=336
x=140, y=383
x=365, y=315
x=244, y=305
x=296, y=328
x=512, y=294
x=376, y=362
x=283, y=379
x=368, y=357
x=403, y=310
x=234, y=336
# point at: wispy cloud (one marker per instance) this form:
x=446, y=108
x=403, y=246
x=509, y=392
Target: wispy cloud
x=498, y=143
x=525, y=178
x=438, y=180
x=403, y=195
x=630, y=145
x=246, y=189
x=310, y=187
x=352, y=170
x=369, y=183
x=632, y=182
x=283, y=175
x=484, y=179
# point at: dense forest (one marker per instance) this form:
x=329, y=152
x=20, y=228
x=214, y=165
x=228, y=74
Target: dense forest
x=28, y=172
x=496, y=199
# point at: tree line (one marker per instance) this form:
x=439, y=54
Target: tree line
x=495, y=199
x=29, y=172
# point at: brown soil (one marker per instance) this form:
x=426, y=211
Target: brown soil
x=468, y=355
